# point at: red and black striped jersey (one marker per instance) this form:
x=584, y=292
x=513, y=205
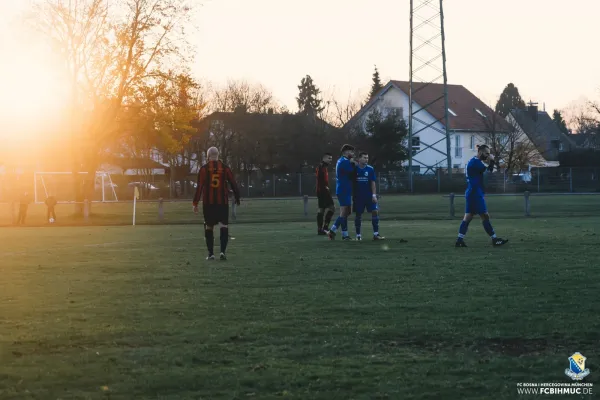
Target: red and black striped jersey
x=212, y=184
x=322, y=178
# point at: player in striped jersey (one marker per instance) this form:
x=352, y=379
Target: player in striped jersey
x=212, y=189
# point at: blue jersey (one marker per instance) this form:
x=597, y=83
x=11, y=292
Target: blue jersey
x=364, y=177
x=475, y=171
x=344, y=173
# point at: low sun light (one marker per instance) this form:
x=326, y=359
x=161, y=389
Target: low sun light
x=33, y=94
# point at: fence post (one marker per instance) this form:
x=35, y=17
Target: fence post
x=527, y=204
x=248, y=184
x=451, y=204
x=274, y=190
x=305, y=200
x=86, y=210
x=161, y=209
x=299, y=184
x=439, y=174
x=538, y=174
x=233, y=209
x=571, y=180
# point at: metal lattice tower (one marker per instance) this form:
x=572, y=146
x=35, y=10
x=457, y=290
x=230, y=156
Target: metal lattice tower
x=428, y=66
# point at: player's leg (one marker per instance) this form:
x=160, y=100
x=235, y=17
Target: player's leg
x=330, y=211
x=320, y=215
x=487, y=225
x=346, y=213
x=342, y=219
x=209, y=223
x=224, y=237
x=470, y=210
x=462, y=230
x=373, y=208
x=358, y=211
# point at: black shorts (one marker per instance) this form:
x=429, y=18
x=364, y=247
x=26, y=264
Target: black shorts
x=325, y=200
x=215, y=214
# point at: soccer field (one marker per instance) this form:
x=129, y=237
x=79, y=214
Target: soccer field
x=121, y=312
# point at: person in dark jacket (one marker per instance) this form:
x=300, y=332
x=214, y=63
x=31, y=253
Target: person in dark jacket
x=51, y=203
x=23, y=205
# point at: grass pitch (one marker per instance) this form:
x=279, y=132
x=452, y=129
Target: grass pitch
x=136, y=313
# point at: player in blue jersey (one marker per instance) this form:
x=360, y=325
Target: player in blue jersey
x=365, y=196
x=475, y=201
x=344, y=174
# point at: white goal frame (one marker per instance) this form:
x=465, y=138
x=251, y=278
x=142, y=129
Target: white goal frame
x=103, y=175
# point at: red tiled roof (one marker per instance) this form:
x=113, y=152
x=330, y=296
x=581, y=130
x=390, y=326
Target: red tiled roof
x=460, y=100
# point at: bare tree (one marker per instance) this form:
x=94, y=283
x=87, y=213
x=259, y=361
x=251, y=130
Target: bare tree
x=241, y=95
x=509, y=144
x=338, y=112
x=109, y=52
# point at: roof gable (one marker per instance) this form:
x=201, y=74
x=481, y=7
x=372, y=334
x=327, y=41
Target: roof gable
x=462, y=102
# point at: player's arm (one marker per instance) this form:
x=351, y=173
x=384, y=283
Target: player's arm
x=491, y=164
x=199, y=188
x=373, y=178
x=233, y=184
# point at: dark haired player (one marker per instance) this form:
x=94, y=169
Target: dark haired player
x=365, y=196
x=475, y=201
x=344, y=174
x=212, y=188
x=324, y=195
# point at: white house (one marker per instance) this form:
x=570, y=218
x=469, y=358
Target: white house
x=468, y=121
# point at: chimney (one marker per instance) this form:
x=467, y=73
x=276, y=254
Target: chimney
x=270, y=111
x=533, y=111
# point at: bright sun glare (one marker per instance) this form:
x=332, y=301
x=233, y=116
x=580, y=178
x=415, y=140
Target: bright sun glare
x=34, y=91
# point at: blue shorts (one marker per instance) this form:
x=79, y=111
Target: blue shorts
x=475, y=204
x=345, y=200
x=361, y=204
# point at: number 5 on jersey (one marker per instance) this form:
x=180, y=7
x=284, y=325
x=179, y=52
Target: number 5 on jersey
x=215, y=180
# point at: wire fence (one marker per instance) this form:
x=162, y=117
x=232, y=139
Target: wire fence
x=303, y=209
x=257, y=184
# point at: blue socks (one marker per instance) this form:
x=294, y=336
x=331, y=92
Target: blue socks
x=487, y=225
x=344, y=226
x=375, y=222
x=336, y=224
x=358, y=223
x=462, y=231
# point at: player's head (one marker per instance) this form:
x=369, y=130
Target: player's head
x=348, y=151
x=363, y=158
x=327, y=157
x=483, y=152
x=212, y=154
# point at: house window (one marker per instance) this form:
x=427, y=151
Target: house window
x=457, y=146
x=416, y=145
x=456, y=166
x=452, y=112
x=397, y=110
x=503, y=140
x=472, y=142
x=561, y=147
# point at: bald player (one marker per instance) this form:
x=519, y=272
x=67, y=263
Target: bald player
x=212, y=188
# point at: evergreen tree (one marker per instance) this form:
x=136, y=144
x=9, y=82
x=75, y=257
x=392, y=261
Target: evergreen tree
x=383, y=140
x=309, y=97
x=509, y=99
x=376, y=86
x=559, y=120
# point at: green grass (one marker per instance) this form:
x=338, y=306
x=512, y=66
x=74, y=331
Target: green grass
x=393, y=207
x=136, y=313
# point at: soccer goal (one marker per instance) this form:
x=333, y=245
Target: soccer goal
x=62, y=187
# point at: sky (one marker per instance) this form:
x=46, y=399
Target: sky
x=548, y=49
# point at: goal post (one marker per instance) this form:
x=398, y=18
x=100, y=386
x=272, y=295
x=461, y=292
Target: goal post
x=61, y=186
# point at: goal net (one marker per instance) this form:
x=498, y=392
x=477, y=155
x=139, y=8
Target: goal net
x=61, y=185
